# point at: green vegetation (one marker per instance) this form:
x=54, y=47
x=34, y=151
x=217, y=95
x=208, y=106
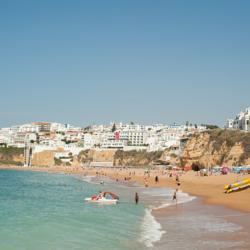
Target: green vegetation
x=11, y=162
x=210, y=126
x=84, y=156
x=113, y=128
x=7, y=155
x=57, y=161
x=11, y=150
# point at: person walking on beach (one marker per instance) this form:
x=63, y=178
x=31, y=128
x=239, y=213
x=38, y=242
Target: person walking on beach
x=156, y=179
x=177, y=178
x=175, y=196
x=178, y=184
x=136, y=198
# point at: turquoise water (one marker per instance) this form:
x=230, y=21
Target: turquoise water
x=47, y=211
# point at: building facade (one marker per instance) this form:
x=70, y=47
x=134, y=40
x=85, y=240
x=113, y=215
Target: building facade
x=241, y=121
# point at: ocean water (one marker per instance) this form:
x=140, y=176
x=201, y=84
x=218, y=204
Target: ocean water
x=40, y=210
x=47, y=211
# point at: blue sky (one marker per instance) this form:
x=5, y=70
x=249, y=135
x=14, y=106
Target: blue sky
x=85, y=62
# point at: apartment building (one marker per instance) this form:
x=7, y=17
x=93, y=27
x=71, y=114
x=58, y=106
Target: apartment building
x=241, y=121
x=137, y=137
x=113, y=144
x=88, y=140
x=43, y=126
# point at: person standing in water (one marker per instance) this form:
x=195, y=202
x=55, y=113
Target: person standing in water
x=175, y=196
x=136, y=198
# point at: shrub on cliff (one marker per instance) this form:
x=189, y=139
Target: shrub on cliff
x=8, y=154
x=229, y=138
x=136, y=158
x=11, y=150
x=84, y=156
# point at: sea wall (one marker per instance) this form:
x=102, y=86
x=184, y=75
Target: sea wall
x=44, y=158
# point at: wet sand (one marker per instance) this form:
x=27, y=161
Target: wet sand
x=209, y=187
x=214, y=221
x=195, y=225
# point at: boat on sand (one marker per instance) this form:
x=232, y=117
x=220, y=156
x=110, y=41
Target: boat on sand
x=237, y=186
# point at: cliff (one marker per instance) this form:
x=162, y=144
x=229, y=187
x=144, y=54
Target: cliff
x=88, y=156
x=119, y=157
x=209, y=148
x=11, y=156
x=136, y=158
x=217, y=147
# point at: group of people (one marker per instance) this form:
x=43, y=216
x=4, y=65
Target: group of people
x=146, y=176
x=174, y=198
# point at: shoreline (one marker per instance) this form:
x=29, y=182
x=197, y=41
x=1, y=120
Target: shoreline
x=209, y=188
x=231, y=216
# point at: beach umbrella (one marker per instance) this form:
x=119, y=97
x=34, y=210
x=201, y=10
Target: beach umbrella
x=225, y=170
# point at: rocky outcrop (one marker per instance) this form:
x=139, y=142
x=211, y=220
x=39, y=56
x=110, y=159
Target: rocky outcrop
x=209, y=148
x=136, y=158
x=11, y=156
x=88, y=156
x=217, y=147
x=170, y=157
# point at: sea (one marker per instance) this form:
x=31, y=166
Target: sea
x=40, y=210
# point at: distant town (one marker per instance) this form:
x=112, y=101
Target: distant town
x=51, y=135
x=36, y=137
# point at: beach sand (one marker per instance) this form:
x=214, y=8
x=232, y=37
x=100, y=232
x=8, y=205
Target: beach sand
x=208, y=187
x=217, y=213
x=196, y=225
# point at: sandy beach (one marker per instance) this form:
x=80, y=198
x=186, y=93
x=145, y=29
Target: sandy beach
x=208, y=187
x=215, y=213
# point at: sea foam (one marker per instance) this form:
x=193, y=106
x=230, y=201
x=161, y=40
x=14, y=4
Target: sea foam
x=181, y=198
x=151, y=229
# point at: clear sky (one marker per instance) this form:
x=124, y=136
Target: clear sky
x=85, y=62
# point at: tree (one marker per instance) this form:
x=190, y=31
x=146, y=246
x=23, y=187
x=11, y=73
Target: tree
x=113, y=128
x=210, y=126
x=87, y=128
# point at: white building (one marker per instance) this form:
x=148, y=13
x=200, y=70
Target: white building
x=230, y=123
x=113, y=144
x=241, y=121
x=126, y=136
x=29, y=128
x=137, y=137
x=88, y=141
x=5, y=136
